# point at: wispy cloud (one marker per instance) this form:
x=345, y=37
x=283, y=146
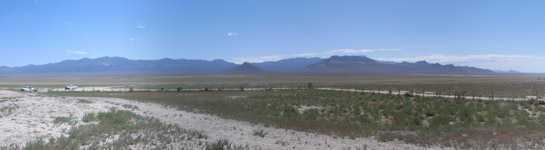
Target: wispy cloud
x=390, y=49
x=131, y=39
x=311, y=54
x=258, y=59
x=523, y=63
x=76, y=52
x=349, y=51
x=231, y=33
x=140, y=27
x=306, y=54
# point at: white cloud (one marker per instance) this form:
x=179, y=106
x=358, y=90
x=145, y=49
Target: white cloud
x=390, y=49
x=131, y=39
x=312, y=54
x=306, y=54
x=522, y=63
x=323, y=54
x=258, y=59
x=349, y=51
x=231, y=33
x=140, y=27
x=76, y=52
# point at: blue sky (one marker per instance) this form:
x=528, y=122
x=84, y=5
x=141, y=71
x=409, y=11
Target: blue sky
x=493, y=34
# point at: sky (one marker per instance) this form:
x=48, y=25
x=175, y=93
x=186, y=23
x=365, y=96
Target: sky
x=492, y=34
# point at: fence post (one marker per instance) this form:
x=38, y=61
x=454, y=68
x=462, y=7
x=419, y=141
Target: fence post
x=514, y=96
x=492, y=94
x=473, y=94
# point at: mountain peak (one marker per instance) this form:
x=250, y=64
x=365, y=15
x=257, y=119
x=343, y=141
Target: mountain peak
x=245, y=68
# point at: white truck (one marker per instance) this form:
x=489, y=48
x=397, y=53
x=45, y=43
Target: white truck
x=70, y=87
x=27, y=88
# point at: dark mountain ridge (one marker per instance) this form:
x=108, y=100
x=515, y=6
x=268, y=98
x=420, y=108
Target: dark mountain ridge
x=365, y=65
x=245, y=69
x=118, y=66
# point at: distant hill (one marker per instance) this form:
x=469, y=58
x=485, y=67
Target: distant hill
x=288, y=65
x=423, y=67
x=348, y=65
x=507, y=72
x=118, y=66
x=244, y=69
x=121, y=66
x=365, y=65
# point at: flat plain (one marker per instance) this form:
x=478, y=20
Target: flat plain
x=262, y=118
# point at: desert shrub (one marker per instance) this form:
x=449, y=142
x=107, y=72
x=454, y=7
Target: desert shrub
x=290, y=112
x=115, y=116
x=311, y=114
x=259, y=132
x=480, y=118
x=429, y=113
x=522, y=117
x=198, y=134
x=399, y=119
x=465, y=115
x=85, y=101
x=440, y=120
x=220, y=144
x=88, y=117
x=129, y=106
x=61, y=120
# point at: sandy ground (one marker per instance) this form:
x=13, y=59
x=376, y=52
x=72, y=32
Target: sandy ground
x=33, y=119
x=34, y=115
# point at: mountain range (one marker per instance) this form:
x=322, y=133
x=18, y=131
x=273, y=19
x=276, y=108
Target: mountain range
x=119, y=66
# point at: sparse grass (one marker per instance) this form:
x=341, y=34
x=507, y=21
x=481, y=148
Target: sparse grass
x=129, y=106
x=198, y=134
x=89, y=117
x=220, y=144
x=414, y=119
x=61, y=120
x=85, y=101
x=407, y=117
x=8, y=110
x=129, y=127
x=259, y=132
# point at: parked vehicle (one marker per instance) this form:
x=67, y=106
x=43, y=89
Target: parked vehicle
x=70, y=87
x=27, y=88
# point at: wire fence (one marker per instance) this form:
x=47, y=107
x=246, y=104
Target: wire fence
x=422, y=93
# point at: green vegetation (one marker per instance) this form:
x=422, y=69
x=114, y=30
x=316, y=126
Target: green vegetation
x=501, y=86
x=85, y=101
x=62, y=120
x=426, y=121
x=7, y=110
x=259, y=132
x=89, y=117
x=220, y=144
x=129, y=106
x=129, y=127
